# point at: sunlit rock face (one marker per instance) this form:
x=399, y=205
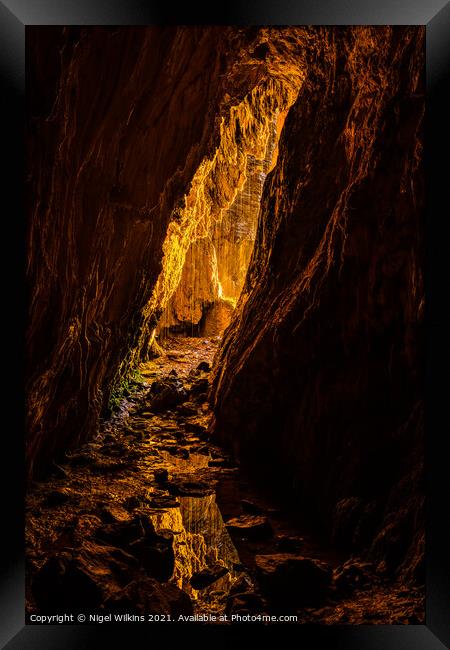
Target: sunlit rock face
x=318, y=383
x=133, y=151
x=198, y=289
x=216, y=265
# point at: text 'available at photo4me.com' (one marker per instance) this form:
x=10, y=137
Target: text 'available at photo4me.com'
x=93, y=619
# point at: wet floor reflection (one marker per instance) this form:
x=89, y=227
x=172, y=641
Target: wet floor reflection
x=200, y=540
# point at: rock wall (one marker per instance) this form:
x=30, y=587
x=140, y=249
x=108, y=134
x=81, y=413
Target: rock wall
x=216, y=265
x=102, y=185
x=318, y=383
x=131, y=133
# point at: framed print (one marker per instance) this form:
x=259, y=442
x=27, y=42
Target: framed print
x=230, y=223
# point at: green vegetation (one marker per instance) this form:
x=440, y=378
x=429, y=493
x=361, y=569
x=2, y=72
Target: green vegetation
x=123, y=387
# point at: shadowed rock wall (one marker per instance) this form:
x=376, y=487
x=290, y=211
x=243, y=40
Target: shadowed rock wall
x=120, y=121
x=318, y=383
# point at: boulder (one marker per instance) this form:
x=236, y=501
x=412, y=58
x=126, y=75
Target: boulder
x=113, y=449
x=252, y=527
x=188, y=408
x=161, y=476
x=209, y=575
x=200, y=387
x=242, y=585
x=293, y=579
x=197, y=428
x=188, y=488
x=112, y=513
x=353, y=574
x=153, y=550
x=57, y=498
x=162, y=501
x=133, y=502
x=80, y=459
x=147, y=596
x=181, y=453
x=167, y=394
x=245, y=603
x=290, y=543
x=250, y=508
x=82, y=579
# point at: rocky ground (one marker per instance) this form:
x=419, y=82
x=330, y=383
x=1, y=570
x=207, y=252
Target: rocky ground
x=152, y=517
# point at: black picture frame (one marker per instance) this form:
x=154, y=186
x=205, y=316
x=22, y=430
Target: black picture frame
x=15, y=16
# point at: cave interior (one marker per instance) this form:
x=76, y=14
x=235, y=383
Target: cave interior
x=224, y=345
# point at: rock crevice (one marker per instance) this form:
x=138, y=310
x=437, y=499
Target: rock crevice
x=318, y=383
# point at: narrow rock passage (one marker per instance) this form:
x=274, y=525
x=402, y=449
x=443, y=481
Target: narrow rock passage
x=152, y=517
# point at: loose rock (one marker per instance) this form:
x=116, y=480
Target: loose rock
x=190, y=488
x=352, y=575
x=146, y=596
x=162, y=501
x=293, y=579
x=188, y=408
x=208, y=576
x=153, y=550
x=250, y=507
x=56, y=498
x=253, y=527
x=161, y=476
x=200, y=387
x=82, y=579
x=245, y=603
x=290, y=544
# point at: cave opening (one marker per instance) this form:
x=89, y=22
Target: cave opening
x=207, y=255
x=202, y=282
x=216, y=264
x=236, y=262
